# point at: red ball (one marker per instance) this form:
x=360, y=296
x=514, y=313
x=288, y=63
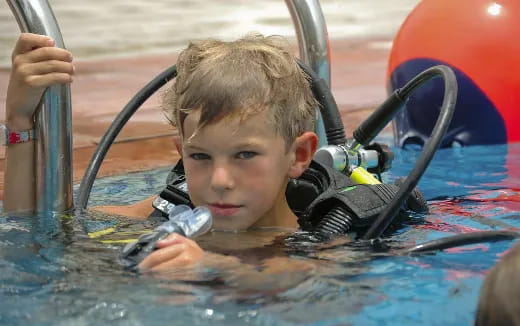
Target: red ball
x=479, y=39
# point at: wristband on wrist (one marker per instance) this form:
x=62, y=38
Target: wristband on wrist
x=8, y=137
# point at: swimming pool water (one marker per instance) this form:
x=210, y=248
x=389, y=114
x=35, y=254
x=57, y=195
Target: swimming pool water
x=66, y=278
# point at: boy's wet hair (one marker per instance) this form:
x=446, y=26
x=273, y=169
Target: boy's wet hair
x=239, y=79
x=499, y=302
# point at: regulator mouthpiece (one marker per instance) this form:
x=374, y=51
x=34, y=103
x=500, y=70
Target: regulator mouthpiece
x=182, y=219
x=192, y=222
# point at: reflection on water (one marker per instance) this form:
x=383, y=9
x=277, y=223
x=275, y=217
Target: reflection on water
x=100, y=28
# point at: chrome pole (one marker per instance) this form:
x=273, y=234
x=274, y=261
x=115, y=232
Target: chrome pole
x=313, y=41
x=53, y=120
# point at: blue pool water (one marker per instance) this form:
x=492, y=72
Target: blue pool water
x=66, y=278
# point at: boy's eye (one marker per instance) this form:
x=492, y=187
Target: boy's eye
x=246, y=155
x=199, y=156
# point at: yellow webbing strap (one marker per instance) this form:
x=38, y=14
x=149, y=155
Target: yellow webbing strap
x=361, y=176
x=97, y=234
x=124, y=237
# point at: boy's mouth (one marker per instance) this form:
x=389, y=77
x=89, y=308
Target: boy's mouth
x=223, y=209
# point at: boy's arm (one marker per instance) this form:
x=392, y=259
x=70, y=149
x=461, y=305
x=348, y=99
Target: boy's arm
x=172, y=252
x=176, y=256
x=36, y=64
x=139, y=210
x=19, y=193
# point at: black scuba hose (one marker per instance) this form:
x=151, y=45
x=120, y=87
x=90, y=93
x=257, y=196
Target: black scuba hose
x=337, y=221
x=386, y=217
x=114, y=129
x=373, y=125
x=461, y=240
x=334, y=128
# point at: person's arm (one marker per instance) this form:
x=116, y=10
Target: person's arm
x=36, y=64
x=172, y=252
x=139, y=210
x=179, y=258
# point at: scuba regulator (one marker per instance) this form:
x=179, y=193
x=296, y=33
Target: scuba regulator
x=326, y=189
x=338, y=193
x=348, y=197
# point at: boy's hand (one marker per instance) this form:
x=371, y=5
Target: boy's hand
x=173, y=251
x=37, y=64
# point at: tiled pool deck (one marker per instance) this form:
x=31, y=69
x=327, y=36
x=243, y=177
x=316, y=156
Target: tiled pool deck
x=102, y=88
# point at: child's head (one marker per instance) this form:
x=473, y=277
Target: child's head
x=499, y=302
x=239, y=79
x=245, y=112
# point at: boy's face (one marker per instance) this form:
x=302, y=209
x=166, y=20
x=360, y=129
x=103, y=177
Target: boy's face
x=238, y=170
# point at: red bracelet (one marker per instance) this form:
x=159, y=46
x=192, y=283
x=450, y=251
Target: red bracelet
x=8, y=137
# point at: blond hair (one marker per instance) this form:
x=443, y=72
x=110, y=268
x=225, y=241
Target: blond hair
x=239, y=79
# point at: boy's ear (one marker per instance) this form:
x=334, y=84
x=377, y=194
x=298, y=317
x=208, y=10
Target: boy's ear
x=303, y=149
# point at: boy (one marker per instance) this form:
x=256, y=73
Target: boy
x=245, y=113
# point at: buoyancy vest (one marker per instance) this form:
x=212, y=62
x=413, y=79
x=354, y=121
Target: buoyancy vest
x=325, y=189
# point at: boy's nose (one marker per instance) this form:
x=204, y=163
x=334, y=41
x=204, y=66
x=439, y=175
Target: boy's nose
x=222, y=179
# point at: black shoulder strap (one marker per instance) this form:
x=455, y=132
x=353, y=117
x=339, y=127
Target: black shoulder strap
x=175, y=193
